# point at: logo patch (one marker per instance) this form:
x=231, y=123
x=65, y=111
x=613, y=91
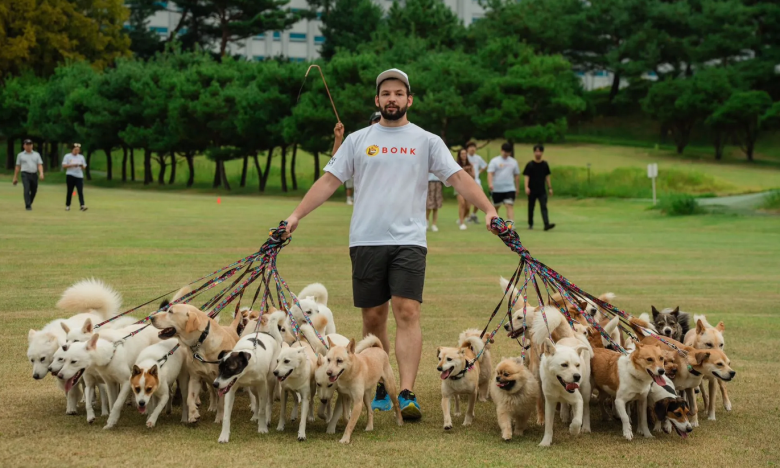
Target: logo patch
x=372, y=150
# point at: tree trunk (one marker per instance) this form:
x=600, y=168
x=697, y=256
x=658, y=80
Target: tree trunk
x=217, y=178
x=615, y=87
x=148, y=178
x=132, y=164
x=719, y=142
x=10, y=159
x=284, y=168
x=89, y=163
x=124, y=163
x=267, y=169
x=54, y=157
x=172, y=178
x=243, y=171
x=224, y=175
x=292, y=167
x=161, y=174
x=109, y=164
x=191, y=166
x=316, y=166
x=259, y=171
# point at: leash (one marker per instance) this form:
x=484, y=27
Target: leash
x=322, y=75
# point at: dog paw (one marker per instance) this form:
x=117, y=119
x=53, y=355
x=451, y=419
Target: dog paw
x=91, y=420
x=628, y=435
x=447, y=428
x=506, y=439
x=711, y=417
x=108, y=426
x=301, y=438
x=585, y=430
x=574, y=428
x=72, y=413
x=727, y=406
x=344, y=440
x=545, y=443
x=150, y=424
x=279, y=428
x=648, y=435
x=224, y=439
x=456, y=414
x=540, y=422
x=330, y=431
x=262, y=430
x=467, y=422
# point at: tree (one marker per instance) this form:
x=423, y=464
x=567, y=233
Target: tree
x=144, y=43
x=430, y=20
x=344, y=26
x=222, y=22
x=741, y=115
x=15, y=103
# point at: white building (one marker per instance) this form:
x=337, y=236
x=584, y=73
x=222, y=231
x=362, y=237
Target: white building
x=303, y=40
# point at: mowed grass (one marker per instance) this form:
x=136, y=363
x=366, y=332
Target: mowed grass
x=147, y=243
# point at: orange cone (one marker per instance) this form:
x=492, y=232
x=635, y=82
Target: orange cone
x=219, y=201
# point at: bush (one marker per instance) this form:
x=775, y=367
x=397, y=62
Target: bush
x=680, y=205
x=772, y=201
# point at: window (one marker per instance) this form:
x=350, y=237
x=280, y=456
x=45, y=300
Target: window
x=159, y=30
x=319, y=39
x=601, y=73
x=297, y=37
x=474, y=19
x=260, y=36
x=161, y=4
x=297, y=59
x=258, y=58
x=580, y=73
x=277, y=36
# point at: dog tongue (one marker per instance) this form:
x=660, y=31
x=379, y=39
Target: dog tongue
x=572, y=386
x=446, y=374
x=142, y=409
x=659, y=380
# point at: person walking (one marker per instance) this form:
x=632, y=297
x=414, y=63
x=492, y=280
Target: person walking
x=74, y=164
x=434, y=201
x=463, y=206
x=480, y=166
x=390, y=163
x=28, y=162
x=503, y=181
x=537, y=175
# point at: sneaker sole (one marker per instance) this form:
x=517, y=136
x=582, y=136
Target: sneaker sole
x=411, y=413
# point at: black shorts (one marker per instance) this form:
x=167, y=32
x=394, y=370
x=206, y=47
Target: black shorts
x=504, y=198
x=382, y=271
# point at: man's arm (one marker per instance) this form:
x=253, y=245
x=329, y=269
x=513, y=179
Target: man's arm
x=40, y=171
x=490, y=181
x=16, y=174
x=338, y=133
x=316, y=196
x=527, y=188
x=517, y=183
x=549, y=184
x=473, y=194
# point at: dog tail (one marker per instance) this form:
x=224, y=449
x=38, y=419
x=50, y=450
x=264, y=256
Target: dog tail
x=607, y=297
x=555, y=321
x=512, y=291
x=612, y=330
x=475, y=344
x=703, y=319
x=91, y=295
x=311, y=337
x=636, y=323
x=370, y=341
x=316, y=290
x=181, y=292
x=272, y=326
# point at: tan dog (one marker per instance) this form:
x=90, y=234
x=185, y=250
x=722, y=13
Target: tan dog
x=356, y=369
x=203, y=336
x=485, y=366
x=457, y=379
x=515, y=393
x=705, y=336
x=628, y=378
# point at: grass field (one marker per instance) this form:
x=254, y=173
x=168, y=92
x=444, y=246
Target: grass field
x=145, y=243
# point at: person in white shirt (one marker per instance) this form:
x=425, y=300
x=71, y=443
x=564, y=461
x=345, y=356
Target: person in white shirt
x=479, y=166
x=28, y=162
x=74, y=164
x=434, y=201
x=503, y=180
x=390, y=163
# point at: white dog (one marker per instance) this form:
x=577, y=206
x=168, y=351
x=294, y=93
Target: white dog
x=295, y=371
x=314, y=300
x=153, y=376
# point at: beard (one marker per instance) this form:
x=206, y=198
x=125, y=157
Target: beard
x=394, y=114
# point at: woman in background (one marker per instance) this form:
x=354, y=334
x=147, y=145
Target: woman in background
x=463, y=205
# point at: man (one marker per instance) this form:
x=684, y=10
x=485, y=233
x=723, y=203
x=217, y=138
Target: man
x=479, y=166
x=74, y=163
x=537, y=173
x=339, y=134
x=390, y=163
x=504, y=180
x=28, y=162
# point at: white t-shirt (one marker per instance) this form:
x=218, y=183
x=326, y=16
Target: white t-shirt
x=478, y=163
x=390, y=167
x=504, y=172
x=71, y=158
x=432, y=177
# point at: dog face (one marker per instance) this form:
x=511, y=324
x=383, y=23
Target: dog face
x=676, y=411
x=284, y=328
x=78, y=358
x=670, y=363
x=307, y=307
x=231, y=367
x=288, y=361
x=181, y=320
x=510, y=375
x=715, y=362
x=710, y=337
x=668, y=323
x=325, y=388
x=564, y=363
x=649, y=359
x=58, y=360
x=80, y=334
x=515, y=327
x=339, y=359
x=451, y=361
x=40, y=352
x=144, y=383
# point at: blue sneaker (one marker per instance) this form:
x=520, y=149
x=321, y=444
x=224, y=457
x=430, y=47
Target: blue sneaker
x=381, y=399
x=410, y=409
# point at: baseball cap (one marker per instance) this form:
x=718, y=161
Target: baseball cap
x=28, y=142
x=395, y=74
x=77, y=145
x=375, y=116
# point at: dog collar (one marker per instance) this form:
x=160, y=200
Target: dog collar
x=692, y=371
x=202, y=338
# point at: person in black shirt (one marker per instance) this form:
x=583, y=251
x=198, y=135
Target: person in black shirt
x=537, y=175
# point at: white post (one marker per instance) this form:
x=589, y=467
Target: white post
x=652, y=173
x=654, y=201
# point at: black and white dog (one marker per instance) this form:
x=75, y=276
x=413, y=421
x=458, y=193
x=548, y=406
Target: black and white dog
x=671, y=323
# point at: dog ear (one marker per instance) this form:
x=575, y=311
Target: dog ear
x=245, y=356
x=320, y=360
x=153, y=371
x=192, y=323
x=285, y=345
x=655, y=313
x=222, y=354
x=330, y=343
x=675, y=312
x=92, y=343
x=31, y=334
x=548, y=347
x=661, y=407
x=64, y=327
x=351, y=346
x=164, y=303
x=699, y=327
x=137, y=370
x=701, y=357
x=87, y=327
x=721, y=327
x=438, y=352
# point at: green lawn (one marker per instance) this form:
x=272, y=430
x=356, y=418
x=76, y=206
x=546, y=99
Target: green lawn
x=145, y=243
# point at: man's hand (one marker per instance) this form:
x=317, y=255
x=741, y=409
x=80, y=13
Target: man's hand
x=489, y=216
x=40, y=176
x=338, y=131
x=490, y=186
x=15, y=181
x=292, y=225
x=527, y=191
x=551, y=192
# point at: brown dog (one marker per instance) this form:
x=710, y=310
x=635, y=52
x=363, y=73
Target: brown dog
x=515, y=393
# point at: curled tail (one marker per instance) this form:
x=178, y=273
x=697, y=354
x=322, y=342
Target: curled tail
x=91, y=295
x=311, y=337
x=475, y=344
x=370, y=341
x=317, y=291
x=555, y=321
x=512, y=291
